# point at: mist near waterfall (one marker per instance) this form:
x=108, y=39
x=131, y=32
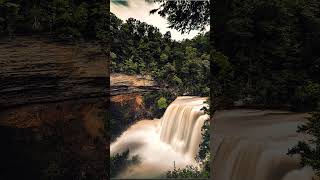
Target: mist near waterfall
x=161, y=143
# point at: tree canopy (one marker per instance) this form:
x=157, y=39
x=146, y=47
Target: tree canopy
x=185, y=15
x=68, y=19
x=139, y=48
x=265, y=50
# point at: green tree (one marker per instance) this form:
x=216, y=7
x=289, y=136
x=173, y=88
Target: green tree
x=185, y=15
x=309, y=150
x=187, y=172
x=162, y=103
x=121, y=161
x=8, y=16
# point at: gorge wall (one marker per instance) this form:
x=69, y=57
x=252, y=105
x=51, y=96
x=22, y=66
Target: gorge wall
x=53, y=99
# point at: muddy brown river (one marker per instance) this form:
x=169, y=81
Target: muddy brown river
x=252, y=144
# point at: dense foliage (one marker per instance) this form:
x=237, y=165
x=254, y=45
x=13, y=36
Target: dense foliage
x=309, y=151
x=68, y=19
x=267, y=51
x=157, y=102
x=187, y=172
x=273, y=51
x=185, y=15
x=121, y=161
x=139, y=48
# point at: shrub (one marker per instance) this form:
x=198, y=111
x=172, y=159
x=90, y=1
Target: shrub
x=162, y=103
x=121, y=161
x=307, y=96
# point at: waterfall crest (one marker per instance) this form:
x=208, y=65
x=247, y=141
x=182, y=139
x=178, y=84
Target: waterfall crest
x=160, y=142
x=181, y=124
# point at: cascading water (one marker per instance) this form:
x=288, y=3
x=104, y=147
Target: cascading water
x=181, y=124
x=160, y=142
x=253, y=145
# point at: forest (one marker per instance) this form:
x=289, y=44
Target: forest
x=271, y=50
x=63, y=19
x=139, y=48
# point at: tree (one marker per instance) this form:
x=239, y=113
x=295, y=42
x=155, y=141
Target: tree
x=187, y=172
x=162, y=103
x=8, y=17
x=139, y=48
x=310, y=150
x=268, y=44
x=185, y=15
x=66, y=18
x=204, y=155
x=121, y=161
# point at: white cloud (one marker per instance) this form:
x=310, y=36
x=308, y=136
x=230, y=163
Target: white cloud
x=139, y=9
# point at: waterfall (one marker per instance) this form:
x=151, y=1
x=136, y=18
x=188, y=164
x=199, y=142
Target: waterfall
x=239, y=159
x=160, y=142
x=253, y=145
x=181, y=124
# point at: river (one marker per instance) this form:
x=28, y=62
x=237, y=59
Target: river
x=252, y=144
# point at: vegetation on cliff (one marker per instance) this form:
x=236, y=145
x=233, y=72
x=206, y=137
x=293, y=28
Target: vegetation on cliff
x=139, y=48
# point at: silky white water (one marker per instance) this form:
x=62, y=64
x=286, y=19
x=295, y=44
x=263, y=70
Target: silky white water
x=253, y=145
x=160, y=143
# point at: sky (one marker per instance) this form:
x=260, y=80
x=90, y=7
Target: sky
x=139, y=9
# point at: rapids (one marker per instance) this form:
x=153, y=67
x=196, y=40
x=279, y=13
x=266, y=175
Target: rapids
x=160, y=143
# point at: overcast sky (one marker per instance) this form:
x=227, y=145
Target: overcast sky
x=139, y=9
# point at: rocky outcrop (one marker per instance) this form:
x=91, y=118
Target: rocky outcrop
x=127, y=100
x=48, y=90
x=122, y=84
x=39, y=70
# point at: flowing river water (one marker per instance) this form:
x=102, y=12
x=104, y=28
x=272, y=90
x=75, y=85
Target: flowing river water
x=161, y=143
x=252, y=145
x=246, y=144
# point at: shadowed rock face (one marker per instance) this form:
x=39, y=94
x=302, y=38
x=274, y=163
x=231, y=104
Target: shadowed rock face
x=53, y=89
x=127, y=100
x=37, y=70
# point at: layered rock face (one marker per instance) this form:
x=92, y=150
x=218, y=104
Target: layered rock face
x=39, y=70
x=53, y=89
x=131, y=84
x=127, y=104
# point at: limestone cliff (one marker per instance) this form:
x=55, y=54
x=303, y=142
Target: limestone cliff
x=53, y=89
